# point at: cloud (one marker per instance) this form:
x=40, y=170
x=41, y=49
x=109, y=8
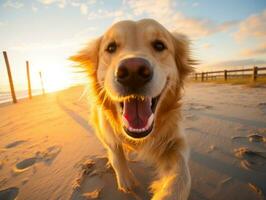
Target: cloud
x=77, y=3
x=84, y=34
x=195, y=4
x=253, y=52
x=206, y=45
x=2, y=23
x=162, y=11
x=59, y=3
x=13, y=4
x=165, y=13
x=34, y=8
x=227, y=25
x=43, y=46
x=254, y=26
x=81, y=4
x=239, y=63
x=83, y=9
x=74, y=42
x=101, y=14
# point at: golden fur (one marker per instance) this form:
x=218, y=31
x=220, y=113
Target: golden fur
x=165, y=147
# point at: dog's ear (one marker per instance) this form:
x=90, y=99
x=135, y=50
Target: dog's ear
x=88, y=56
x=182, y=56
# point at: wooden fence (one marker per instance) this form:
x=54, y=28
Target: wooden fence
x=12, y=88
x=253, y=73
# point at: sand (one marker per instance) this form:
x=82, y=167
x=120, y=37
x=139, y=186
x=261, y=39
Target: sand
x=48, y=150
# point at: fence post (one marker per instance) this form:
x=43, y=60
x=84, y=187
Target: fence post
x=28, y=77
x=225, y=75
x=255, y=73
x=196, y=76
x=13, y=94
x=202, y=76
x=43, y=91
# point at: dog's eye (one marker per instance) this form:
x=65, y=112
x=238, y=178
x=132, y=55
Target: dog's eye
x=111, y=48
x=158, y=45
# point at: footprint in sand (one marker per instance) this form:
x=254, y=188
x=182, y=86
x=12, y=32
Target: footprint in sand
x=252, y=138
x=251, y=160
x=9, y=193
x=197, y=107
x=256, y=138
x=97, y=181
x=262, y=107
x=257, y=190
x=24, y=164
x=14, y=144
x=191, y=117
x=50, y=153
x=47, y=156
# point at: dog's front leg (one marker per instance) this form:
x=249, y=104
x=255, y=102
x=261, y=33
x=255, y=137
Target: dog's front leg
x=174, y=179
x=125, y=179
x=116, y=156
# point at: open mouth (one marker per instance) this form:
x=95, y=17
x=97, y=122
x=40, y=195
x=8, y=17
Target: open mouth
x=138, y=116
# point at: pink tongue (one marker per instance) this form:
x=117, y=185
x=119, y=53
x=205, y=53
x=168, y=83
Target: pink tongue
x=137, y=112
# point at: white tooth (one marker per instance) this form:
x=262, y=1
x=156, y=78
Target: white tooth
x=136, y=130
x=125, y=122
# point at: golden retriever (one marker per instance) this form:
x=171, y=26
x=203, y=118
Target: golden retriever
x=136, y=72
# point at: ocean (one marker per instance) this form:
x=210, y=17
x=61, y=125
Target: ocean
x=20, y=94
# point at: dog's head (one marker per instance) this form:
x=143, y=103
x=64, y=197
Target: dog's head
x=138, y=66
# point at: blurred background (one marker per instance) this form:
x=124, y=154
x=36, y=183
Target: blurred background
x=224, y=34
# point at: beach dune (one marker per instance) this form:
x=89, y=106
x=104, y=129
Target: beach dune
x=49, y=151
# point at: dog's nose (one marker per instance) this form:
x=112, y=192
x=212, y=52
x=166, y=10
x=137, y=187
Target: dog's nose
x=134, y=72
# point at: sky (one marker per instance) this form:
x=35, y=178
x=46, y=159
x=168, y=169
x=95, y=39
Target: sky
x=223, y=34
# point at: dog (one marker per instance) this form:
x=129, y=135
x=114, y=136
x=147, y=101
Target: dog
x=136, y=73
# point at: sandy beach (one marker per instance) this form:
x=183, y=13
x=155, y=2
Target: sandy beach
x=49, y=151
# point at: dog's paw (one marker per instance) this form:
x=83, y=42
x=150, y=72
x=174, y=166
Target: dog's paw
x=127, y=182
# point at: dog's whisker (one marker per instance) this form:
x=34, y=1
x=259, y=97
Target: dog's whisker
x=85, y=91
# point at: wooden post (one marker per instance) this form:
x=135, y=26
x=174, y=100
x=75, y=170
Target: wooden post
x=28, y=77
x=43, y=91
x=196, y=76
x=13, y=94
x=255, y=73
x=225, y=75
x=202, y=76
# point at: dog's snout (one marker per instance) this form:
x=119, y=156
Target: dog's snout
x=134, y=72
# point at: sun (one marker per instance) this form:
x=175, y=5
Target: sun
x=56, y=74
x=56, y=78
